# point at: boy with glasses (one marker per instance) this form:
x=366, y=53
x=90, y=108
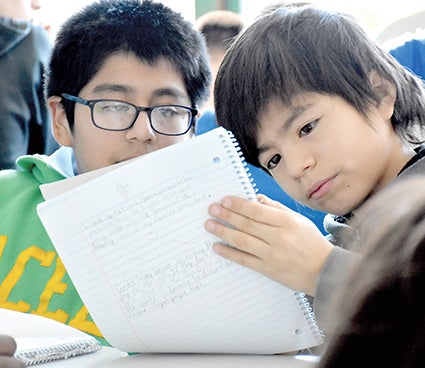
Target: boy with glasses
x=124, y=79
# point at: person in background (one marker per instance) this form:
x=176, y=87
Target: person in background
x=334, y=119
x=7, y=349
x=25, y=125
x=405, y=40
x=279, y=4
x=124, y=79
x=411, y=54
x=378, y=313
x=219, y=28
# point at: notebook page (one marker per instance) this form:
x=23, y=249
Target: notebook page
x=50, y=190
x=134, y=245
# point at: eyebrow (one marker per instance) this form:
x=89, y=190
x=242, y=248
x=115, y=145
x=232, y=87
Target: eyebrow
x=108, y=87
x=296, y=112
x=161, y=92
x=172, y=92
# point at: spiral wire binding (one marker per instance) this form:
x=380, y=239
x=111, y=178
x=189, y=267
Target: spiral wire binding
x=303, y=301
x=309, y=314
x=236, y=163
x=58, y=351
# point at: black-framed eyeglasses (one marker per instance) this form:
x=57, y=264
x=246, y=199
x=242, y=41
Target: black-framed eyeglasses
x=119, y=115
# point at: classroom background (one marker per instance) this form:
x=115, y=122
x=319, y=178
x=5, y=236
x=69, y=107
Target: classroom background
x=376, y=15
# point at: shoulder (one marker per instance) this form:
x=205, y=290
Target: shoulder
x=13, y=181
x=339, y=231
x=33, y=171
x=416, y=165
x=12, y=32
x=14, y=177
x=19, y=191
x=41, y=37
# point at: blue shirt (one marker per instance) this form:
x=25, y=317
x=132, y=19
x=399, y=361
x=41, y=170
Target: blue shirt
x=412, y=56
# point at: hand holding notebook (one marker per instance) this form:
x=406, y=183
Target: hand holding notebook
x=133, y=242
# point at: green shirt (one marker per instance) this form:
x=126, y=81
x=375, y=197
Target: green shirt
x=32, y=276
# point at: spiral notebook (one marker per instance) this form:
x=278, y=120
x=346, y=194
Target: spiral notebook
x=47, y=349
x=134, y=244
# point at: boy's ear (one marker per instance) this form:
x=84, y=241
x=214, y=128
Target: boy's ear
x=386, y=93
x=60, y=126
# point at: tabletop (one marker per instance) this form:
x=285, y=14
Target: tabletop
x=19, y=324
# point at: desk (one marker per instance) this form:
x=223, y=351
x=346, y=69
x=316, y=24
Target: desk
x=18, y=324
x=212, y=361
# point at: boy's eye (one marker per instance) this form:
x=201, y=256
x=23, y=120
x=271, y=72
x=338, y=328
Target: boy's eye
x=273, y=162
x=308, y=128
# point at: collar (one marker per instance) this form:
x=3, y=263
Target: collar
x=63, y=161
x=420, y=153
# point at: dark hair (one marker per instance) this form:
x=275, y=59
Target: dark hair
x=306, y=49
x=379, y=307
x=220, y=27
x=147, y=29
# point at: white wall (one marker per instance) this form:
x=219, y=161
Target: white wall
x=54, y=12
x=374, y=15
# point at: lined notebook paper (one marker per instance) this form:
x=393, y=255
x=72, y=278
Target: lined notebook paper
x=135, y=247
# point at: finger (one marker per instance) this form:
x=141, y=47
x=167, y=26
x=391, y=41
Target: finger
x=237, y=256
x=268, y=212
x=7, y=345
x=261, y=198
x=10, y=362
x=265, y=229
x=240, y=240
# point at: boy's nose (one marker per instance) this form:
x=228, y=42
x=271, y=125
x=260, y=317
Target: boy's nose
x=141, y=129
x=298, y=162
